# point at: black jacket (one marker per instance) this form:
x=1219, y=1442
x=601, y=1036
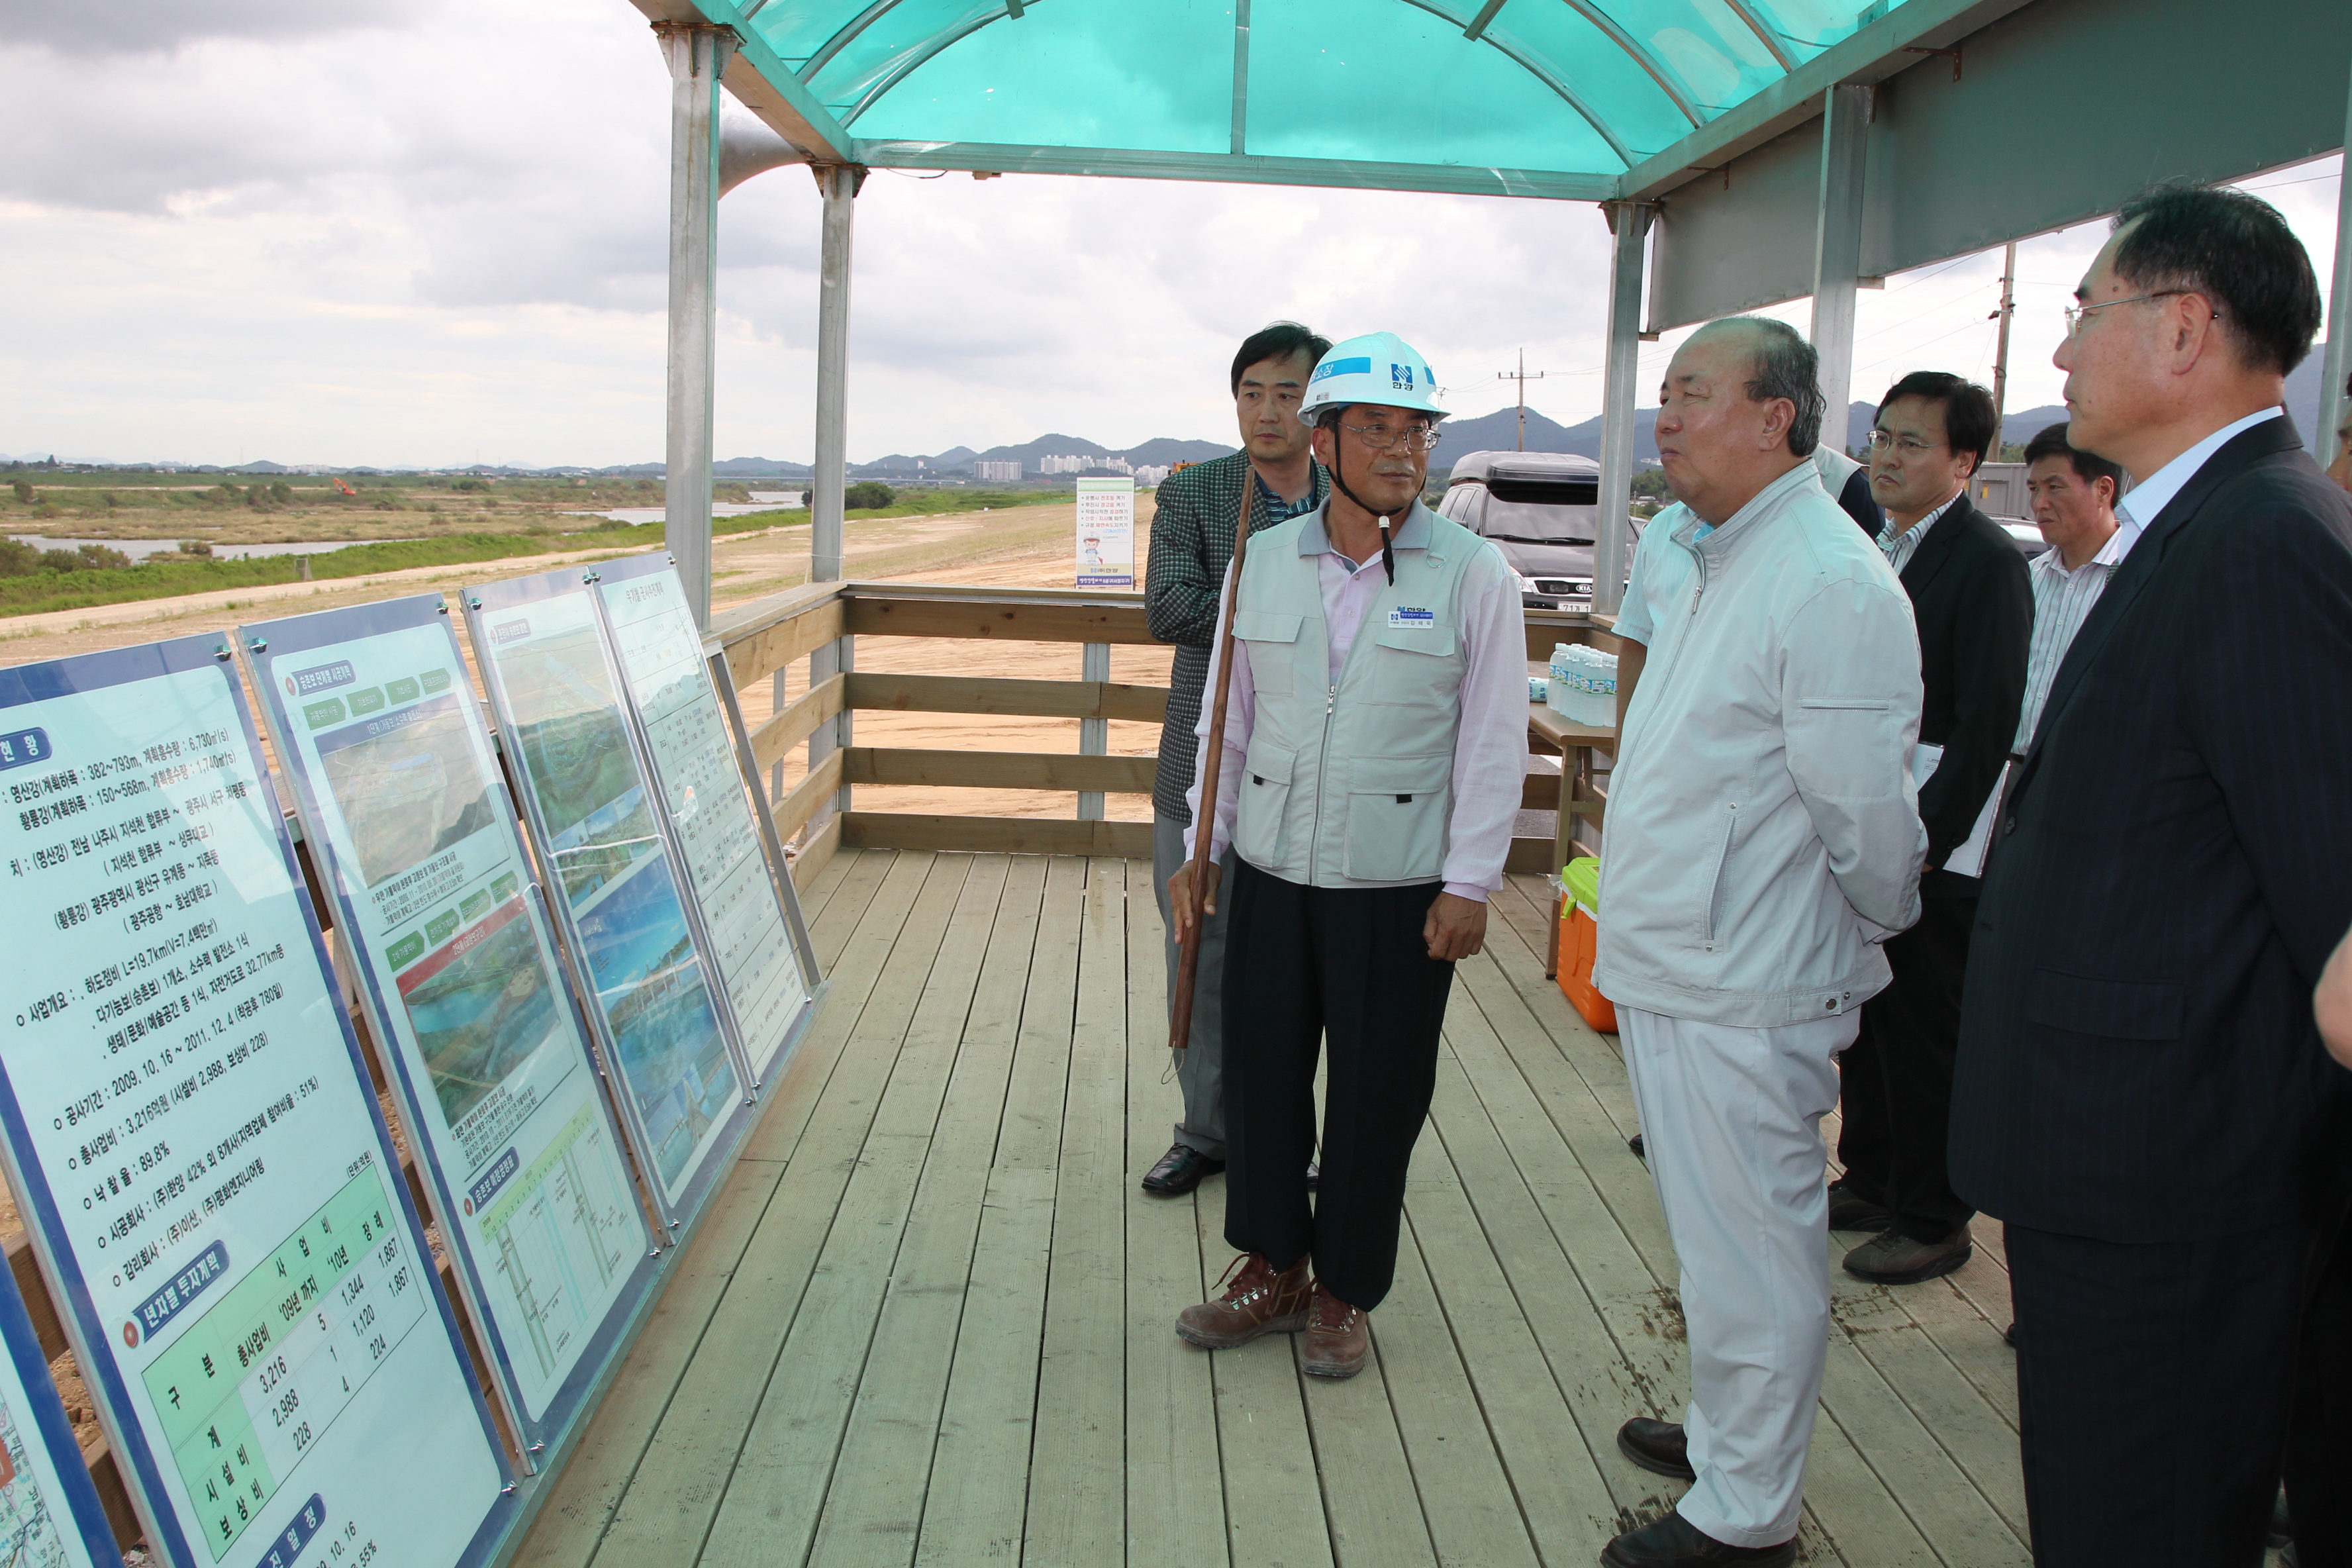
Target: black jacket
x=2137, y=1059
x=1975, y=609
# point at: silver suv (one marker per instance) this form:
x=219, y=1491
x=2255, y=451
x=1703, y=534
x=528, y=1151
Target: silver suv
x=1540, y=510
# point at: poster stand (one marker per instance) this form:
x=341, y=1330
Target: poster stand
x=414, y=840
x=248, y=1287
x=48, y=1510
x=722, y=679
x=612, y=870
x=711, y=807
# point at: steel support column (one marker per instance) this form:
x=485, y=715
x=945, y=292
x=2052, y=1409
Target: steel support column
x=2338, y=361
x=696, y=58
x=1629, y=226
x=1837, y=249
x=1093, y=734
x=839, y=183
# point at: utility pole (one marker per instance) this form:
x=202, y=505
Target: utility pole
x=1522, y=377
x=2000, y=353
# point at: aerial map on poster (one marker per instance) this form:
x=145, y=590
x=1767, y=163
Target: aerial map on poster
x=190, y=1129
x=568, y=741
x=694, y=760
x=373, y=709
x=49, y=1513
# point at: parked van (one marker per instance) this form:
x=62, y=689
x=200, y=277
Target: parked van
x=1539, y=508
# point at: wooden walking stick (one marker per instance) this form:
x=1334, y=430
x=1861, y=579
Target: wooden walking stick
x=1204, y=821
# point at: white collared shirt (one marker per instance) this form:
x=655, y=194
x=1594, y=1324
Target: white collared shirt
x=2063, y=601
x=1901, y=547
x=2151, y=495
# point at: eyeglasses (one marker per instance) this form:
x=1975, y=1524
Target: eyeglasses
x=1880, y=440
x=2075, y=314
x=1381, y=438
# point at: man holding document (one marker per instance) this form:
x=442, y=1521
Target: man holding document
x=1974, y=609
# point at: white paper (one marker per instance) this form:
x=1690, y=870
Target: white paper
x=1106, y=537
x=1967, y=860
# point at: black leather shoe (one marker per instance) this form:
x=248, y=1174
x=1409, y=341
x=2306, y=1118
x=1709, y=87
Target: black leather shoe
x=2009, y=1336
x=1641, y=1150
x=1674, y=1542
x=1179, y=1172
x=1657, y=1446
x=1849, y=1210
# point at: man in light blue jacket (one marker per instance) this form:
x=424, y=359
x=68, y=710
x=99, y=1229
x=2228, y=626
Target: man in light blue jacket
x=1763, y=838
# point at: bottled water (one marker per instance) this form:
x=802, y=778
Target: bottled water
x=1582, y=685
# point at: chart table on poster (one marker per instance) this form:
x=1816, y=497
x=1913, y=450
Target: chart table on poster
x=661, y=658
x=261, y=1374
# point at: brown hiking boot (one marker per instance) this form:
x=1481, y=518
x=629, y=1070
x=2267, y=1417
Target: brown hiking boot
x=1338, y=1338
x=1258, y=1302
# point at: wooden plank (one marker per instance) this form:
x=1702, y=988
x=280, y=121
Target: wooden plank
x=892, y=614
x=1372, y=1504
x=1274, y=1498
x=996, y=835
x=1077, y=1483
x=1532, y=856
x=46, y=1326
x=817, y=853
x=809, y=796
x=1001, y=770
x=979, y=1466
x=1466, y=1498
x=1554, y=1384
x=759, y=654
x=1972, y=1435
x=874, y=1509
x=585, y=1492
x=778, y=1492
x=1545, y=627
x=995, y=694
x=774, y=740
x=1175, y=1487
x=677, y=1488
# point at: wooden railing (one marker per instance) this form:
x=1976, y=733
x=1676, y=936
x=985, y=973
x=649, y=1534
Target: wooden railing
x=766, y=638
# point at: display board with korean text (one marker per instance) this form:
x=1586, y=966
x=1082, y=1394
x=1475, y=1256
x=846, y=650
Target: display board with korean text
x=50, y=1515
x=188, y=1125
x=708, y=797
x=415, y=843
x=596, y=817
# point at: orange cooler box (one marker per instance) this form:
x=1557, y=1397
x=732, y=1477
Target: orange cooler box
x=1579, y=933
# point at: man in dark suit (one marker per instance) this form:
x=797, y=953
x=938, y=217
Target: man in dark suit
x=1198, y=513
x=2141, y=1092
x=1975, y=614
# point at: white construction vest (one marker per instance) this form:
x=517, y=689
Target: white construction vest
x=1351, y=785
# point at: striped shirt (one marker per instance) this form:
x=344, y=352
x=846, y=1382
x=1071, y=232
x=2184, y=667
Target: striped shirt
x=2062, y=603
x=1901, y=547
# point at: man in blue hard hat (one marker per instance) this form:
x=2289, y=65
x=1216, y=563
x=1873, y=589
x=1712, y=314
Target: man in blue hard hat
x=1375, y=740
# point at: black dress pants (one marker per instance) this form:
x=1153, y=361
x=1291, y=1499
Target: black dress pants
x=1304, y=966
x=1895, y=1104
x=2153, y=1382
x=2319, y=1438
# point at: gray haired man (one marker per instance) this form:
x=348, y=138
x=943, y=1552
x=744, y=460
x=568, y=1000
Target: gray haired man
x=1763, y=837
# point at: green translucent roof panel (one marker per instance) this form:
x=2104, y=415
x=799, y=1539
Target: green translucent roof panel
x=1578, y=87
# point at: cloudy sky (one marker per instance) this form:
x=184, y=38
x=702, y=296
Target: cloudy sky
x=417, y=232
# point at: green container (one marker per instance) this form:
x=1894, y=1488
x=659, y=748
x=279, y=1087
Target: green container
x=1583, y=879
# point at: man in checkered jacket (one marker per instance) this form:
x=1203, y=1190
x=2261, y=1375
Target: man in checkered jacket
x=1192, y=544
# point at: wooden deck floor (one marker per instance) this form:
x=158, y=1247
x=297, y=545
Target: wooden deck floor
x=928, y=1320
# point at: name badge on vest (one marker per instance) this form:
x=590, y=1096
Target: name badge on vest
x=1405, y=618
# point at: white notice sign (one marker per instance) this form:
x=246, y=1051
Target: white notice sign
x=191, y=1130
x=1105, y=533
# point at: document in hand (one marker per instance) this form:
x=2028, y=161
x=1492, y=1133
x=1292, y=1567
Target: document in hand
x=1968, y=858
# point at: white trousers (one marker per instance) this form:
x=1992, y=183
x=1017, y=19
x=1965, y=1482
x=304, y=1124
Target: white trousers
x=1731, y=1125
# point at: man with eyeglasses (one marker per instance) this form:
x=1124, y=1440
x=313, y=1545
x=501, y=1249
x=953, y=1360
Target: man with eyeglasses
x=1197, y=514
x=1375, y=740
x=2141, y=1093
x=1974, y=611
